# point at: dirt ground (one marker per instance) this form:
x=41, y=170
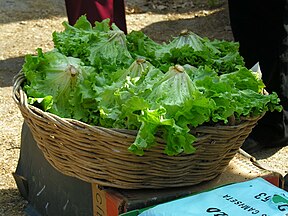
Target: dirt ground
x=28, y=24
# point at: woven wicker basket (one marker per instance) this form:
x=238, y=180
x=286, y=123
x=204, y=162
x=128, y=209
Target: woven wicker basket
x=99, y=155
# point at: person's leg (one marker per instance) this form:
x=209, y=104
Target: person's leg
x=119, y=15
x=260, y=34
x=274, y=66
x=97, y=11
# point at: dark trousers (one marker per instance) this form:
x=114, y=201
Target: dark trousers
x=97, y=10
x=259, y=27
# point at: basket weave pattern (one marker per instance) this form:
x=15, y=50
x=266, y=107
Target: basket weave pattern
x=99, y=155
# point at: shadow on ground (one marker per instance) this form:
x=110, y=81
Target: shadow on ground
x=15, y=11
x=8, y=69
x=266, y=153
x=11, y=202
x=169, y=6
x=204, y=26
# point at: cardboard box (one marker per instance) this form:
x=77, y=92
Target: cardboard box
x=113, y=202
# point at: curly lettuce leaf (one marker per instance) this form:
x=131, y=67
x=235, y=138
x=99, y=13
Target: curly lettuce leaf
x=55, y=75
x=103, y=46
x=178, y=139
x=136, y=80
x=238, y=93
x=140, y=45
x=174, y=104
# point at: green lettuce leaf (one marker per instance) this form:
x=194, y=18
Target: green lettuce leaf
x=174, y=104
x=57, y=76
x=102, y=46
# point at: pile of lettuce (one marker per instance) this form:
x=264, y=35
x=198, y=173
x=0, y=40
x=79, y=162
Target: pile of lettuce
x=100, y=76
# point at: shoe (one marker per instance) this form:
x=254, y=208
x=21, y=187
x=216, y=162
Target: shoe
x=251, y=146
